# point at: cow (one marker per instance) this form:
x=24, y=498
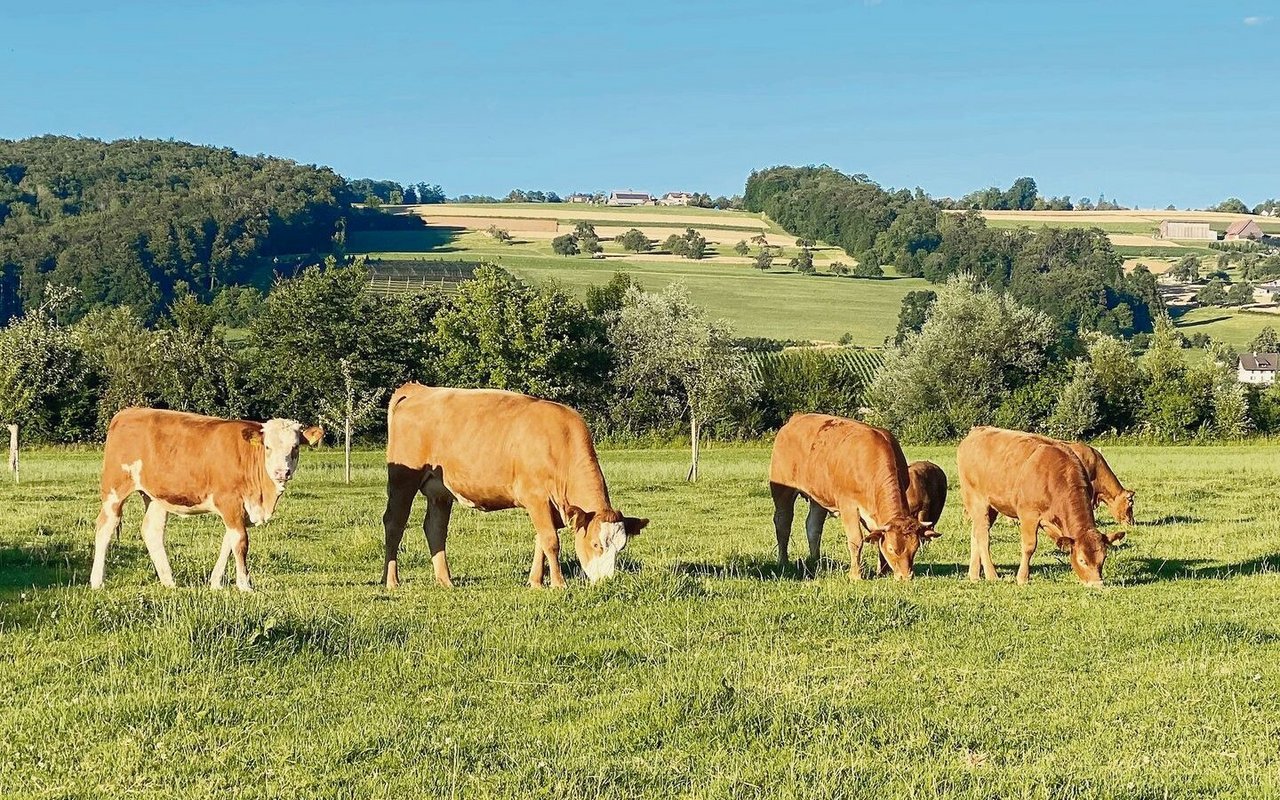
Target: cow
x=1106, y=486
x=491, y=450
x=189, y=464
x=1039, y=482
x=926, y=491
x=854, y=471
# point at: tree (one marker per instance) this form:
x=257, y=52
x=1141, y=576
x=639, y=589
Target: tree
x=1022, y=194
x=764, y=259
x=1267, y=341
x=839, y=268
x=584, y=229
x=662, y=338
x=1076, y=413
x=868, y=266
x=1240, y=293
x=1119, y=379
x=803, y=263
x=803, y=243
x=913, y=313
x=676, y=245
x=1232, y=205
x=976, y=347
x=1212, y=294
x=499, y=332
x=742, y=248
x=1186, y=270
x=565, y=245
x=604, y=301
x=349, y=411
x=500, y=235
x=635, y=241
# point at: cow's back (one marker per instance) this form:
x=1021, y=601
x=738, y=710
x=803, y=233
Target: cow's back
x=1013, y=469
x=177, y=457
x=1089, y=458
x=826, y=457
x=485, y=442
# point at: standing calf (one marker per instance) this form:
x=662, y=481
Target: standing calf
x=1039, y=482
x=854, y=471
x=188, y=464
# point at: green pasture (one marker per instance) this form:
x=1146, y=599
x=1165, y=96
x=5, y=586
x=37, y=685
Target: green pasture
x=702, y=670
x=1236, y=328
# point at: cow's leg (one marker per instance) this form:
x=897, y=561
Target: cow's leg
x=153, y=535
x=813, y=531
x=104, y=528
x=852, y=520
x=546, y=546
x=236, y=543
x=436, y=526
x=224, y=553
x=402, y=485
x=982, y=516
x=784, y=510
x=1030, y=530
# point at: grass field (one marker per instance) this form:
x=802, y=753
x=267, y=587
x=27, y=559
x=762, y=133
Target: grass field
x=702, y=671
x=1236, y=328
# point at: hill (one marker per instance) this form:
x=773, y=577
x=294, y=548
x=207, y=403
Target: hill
x=780, y=303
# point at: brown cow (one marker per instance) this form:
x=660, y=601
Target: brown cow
x=1106, y=486
x=854, y=471
x=1037, y=481
x=493, y=450
x=926, y=491
x=188, y=464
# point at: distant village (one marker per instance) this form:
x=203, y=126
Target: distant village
x=630, y=197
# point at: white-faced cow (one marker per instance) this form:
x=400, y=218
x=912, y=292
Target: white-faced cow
x=493, y=450
x=1106, y=486
x=189, y=464
x=1039, y=482
x=854, y=471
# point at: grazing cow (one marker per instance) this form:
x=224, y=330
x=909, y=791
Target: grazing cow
x=493, y=450
x=926, y=491
x=1106, y=486
x=854, y=471
x=1039, y=482
x=188, y=464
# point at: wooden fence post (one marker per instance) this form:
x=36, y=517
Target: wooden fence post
x=13, y=451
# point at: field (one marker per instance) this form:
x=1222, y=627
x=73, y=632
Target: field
x=779, y=304
x=702, y=671
x=1236, y=328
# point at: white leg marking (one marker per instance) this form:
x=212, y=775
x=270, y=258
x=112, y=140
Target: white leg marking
x=153, y=535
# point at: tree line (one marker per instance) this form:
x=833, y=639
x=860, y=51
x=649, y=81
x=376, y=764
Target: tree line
x=132, y=222
x=1074, y=275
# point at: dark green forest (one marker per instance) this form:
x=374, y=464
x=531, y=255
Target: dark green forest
x=128, y=222
x=1074, y=275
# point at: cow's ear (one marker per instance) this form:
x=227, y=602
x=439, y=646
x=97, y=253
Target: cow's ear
x=1112, y=538
x=253, y=436
x=930, y=533
x=633, y=525
x=874, y=534
x=313, y=435
x=1132, y=494
x=1065, y=543
x=577, y=518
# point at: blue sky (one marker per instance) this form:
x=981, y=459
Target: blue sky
x=1146, y=102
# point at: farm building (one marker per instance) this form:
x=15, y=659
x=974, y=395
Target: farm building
x=1244, y=229
x=676, y=199
x=1173, y=229
x=579, y=198
x=1258, y=368
x=629, y=198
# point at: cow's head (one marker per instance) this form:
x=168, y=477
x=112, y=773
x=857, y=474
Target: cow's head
x=1122, y=507
x=899, y=539
x=598, y=537
x=1087, y=551
x=280, y=439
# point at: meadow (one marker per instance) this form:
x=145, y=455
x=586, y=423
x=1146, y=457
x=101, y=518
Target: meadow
x=702, y=670
x=780, y=303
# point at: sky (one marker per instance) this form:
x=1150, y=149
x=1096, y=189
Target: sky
x=1147, y=103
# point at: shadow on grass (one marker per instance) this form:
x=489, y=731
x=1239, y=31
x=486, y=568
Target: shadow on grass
x=1153, y=570
x=39, y=567
x=1172, y=519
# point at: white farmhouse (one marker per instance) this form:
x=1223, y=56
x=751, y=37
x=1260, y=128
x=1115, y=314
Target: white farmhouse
x=1258, y=368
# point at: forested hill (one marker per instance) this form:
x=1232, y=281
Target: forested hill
x=125, y=221
x=1072, y=274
